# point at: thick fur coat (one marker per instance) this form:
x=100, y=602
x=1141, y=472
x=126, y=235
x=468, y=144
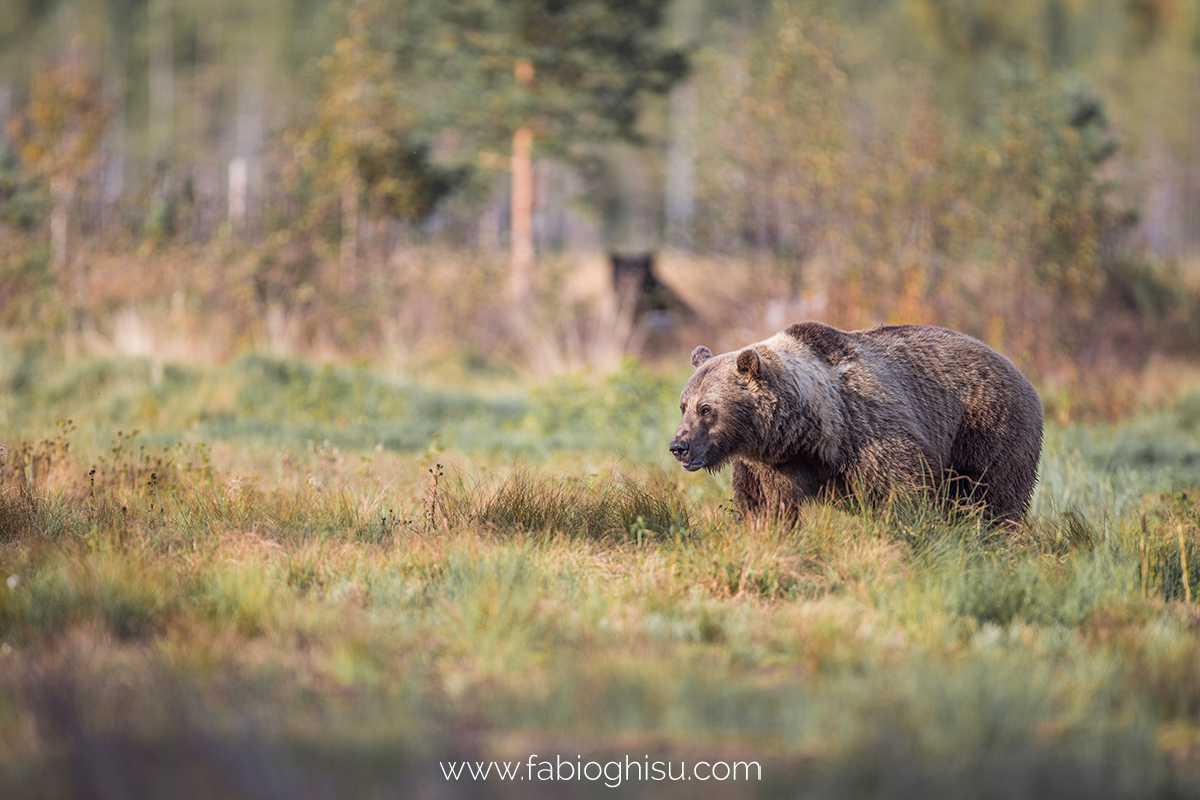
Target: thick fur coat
x=815, y=412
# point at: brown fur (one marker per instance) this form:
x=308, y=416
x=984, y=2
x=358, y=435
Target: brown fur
x=818, y=412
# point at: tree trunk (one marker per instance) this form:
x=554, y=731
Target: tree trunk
x=206, y=97
x=5, y=109
x=249, y=133
x=522, y=211
x=162, y=79
x=239, y=185
x=1159, y=208
x=62, y=194
x=1192, y=209
x=70, y=269
x=112, y=169
x=681, y=179
x=348, y=262
x=680, y=202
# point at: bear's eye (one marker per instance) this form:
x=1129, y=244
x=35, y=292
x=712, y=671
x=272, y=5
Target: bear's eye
x=705, y=411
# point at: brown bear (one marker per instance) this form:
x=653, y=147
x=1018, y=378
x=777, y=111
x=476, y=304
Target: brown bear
x=814, y=412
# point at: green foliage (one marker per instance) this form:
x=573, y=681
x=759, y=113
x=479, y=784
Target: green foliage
x=238, y=597
x=959, y=185
x=1003, y=587
x=98, y=587
x=367, y=138
x=492, y=604
x=20, y=16
x=30, y=288
x=262, y=399
x=592, y=62
x=65, y=119
x=407, y=79
x=286, y=402
x=943, y=161
x=353, y=408
x=773, y=122
x=631, y=411
x=1031, y=194
x=22, y=201
x=1117, y=465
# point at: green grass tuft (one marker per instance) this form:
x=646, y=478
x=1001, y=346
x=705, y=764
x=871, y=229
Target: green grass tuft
x=607, y=506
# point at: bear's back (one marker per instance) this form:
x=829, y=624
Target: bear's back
x=932, y=379
x=972, y=371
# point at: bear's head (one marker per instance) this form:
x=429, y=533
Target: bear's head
x=722, y=406
x=770, y=402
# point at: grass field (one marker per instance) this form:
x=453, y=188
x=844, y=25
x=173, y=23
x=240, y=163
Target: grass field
x=273, y=579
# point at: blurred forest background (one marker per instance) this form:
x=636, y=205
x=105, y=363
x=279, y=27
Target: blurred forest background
x=185, y=180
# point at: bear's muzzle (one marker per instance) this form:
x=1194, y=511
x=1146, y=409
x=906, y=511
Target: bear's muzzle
x=682, y=450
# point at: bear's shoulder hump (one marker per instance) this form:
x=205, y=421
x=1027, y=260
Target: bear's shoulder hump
x=828, y=343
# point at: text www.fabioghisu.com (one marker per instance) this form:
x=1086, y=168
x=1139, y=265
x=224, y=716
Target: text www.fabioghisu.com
x=612, y=773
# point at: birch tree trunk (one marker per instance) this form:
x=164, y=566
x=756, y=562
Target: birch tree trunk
x=680, y=201
x=251, y=93
x=62, y=194
x=681, y=178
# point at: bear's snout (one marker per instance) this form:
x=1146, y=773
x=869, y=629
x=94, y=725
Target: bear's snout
x=683, y=454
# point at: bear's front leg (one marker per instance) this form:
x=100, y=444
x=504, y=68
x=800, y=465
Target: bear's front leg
x=747, y=489
x=895, y=467
x=778, y=489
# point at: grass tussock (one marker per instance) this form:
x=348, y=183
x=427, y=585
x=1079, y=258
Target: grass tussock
x=599, y=506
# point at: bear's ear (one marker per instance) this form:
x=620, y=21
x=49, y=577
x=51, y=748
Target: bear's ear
x=749, y=364
x=700, y=355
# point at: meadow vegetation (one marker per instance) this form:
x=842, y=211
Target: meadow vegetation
x=277, y=579
x=308, y=486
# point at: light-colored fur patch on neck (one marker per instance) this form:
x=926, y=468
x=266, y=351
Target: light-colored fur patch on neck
x=804, y=375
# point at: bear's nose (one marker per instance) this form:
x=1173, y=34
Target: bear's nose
x=678, y=448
